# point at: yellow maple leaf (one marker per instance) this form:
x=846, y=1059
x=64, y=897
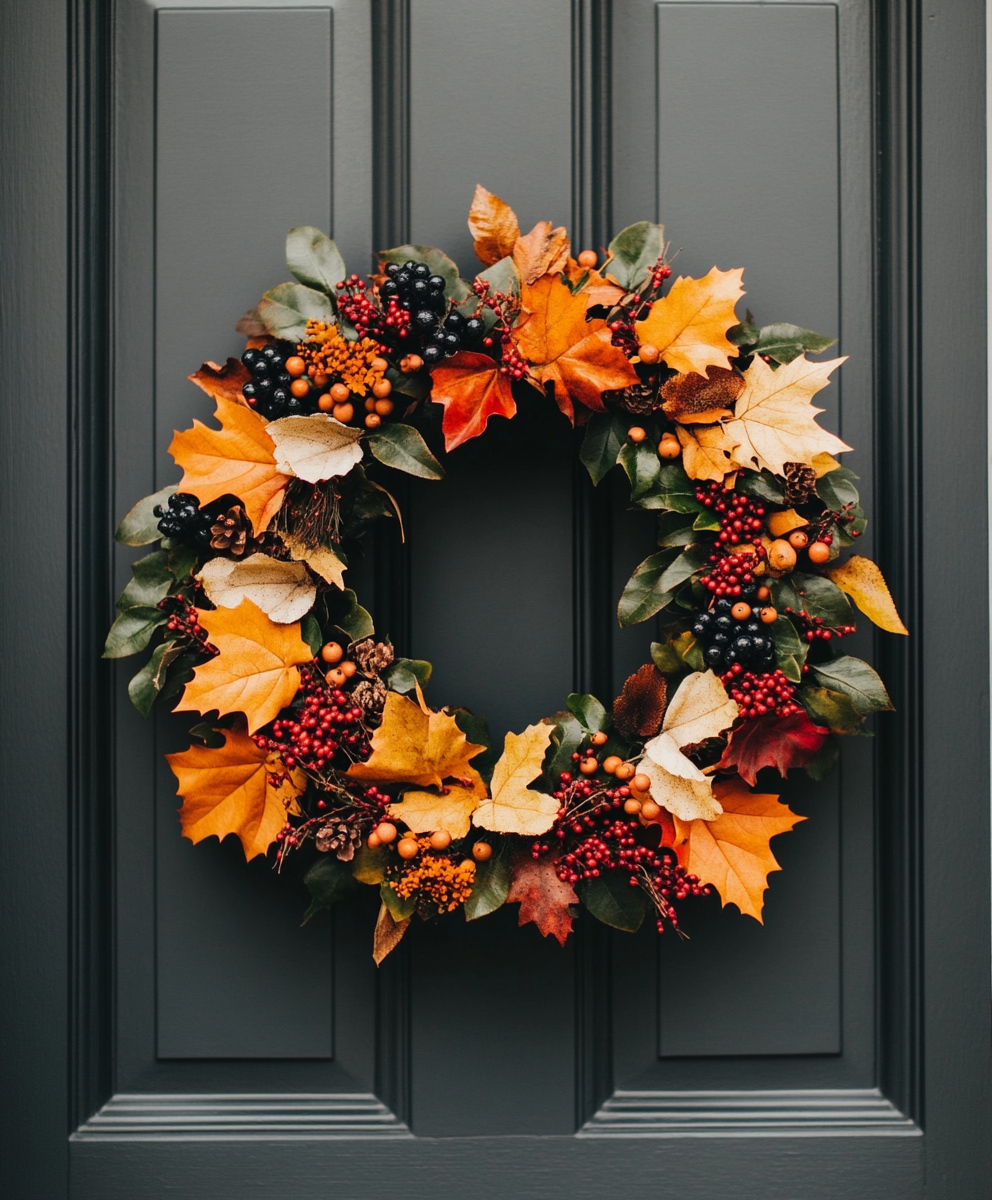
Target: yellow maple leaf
x=254, y=673
x=707, y=451
x=865, y=584
x=775, y=422
x=236, y=788
x=451, y=809
x=237, y=458
x=493, y=225
x=416, y=745
x=514, y=807
x=732, y=851
x=689, y=325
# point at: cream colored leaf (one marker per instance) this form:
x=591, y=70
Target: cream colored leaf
x=318, y=558
x=687, y=799
x=283, y=591
x=699, y=709
x=865, y=584
x=315, y=448
x=425, y=812
x=664, y=751
x=515, y=808
x=775, y=422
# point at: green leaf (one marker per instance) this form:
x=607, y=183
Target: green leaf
x=567, y=736
x=784, y=595
x=328, y=881
x=666, y=658
x=676, y=529
x=847, y=535
x=403, y=674
x=476, y=730
x=311, y=634
x=416, y=385
x=784, y=342
x=351, y=618
x=605, y=436
x=502, y=276
x=591, y=714
x=455, y=289
x=634, y=252
x=213, y=738
x=150, y=581
x=314, y=259
x=833, y=709
x=612, y=900
x=654, y=581
x=826, y=759
x=707, y=520
x=180, y=672
x=836, y=490
x=690, y=650
x=675, y=491
x=368, y=865
x=182, y=560
x=790, y=649
x=133, y=630
x=140, y=526
x=401, y=446
x=146, y=685
x=400, y=907
x=760, y=486
x=643, y=467
x=857, y=680
x=821, y=597
x=744, y=334
x=491, y=887
x=285, y=310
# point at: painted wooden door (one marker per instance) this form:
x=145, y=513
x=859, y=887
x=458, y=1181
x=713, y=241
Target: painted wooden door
x=171, y=1028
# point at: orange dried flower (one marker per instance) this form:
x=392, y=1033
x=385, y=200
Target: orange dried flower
x=443, y=882
x=332, y=355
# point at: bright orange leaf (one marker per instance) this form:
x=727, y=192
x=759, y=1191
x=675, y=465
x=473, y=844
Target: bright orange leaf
x=576, y=355
x=732, y=851
x=596, y=288
x=493, y=225
x=255, y=671
x=472, y=389
x=238, y=458
x=689, y=325
x=236, y=788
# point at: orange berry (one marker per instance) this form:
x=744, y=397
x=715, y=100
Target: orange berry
x=331, y=652
x=349, y=668
x=441, y=839
x=384, y=407
x=649, y=354
x=587, y=259
x=370, y=404
x=641, y=782
x=335, y=677
x=769, y=615
x=636, y=433
x=819, y=552
x=624, y=771
x=669, y=447
x=589, y=766
x=373, y=421
x=340, y=393
x=300, y=388
x=741, y=611
x=343, y=412
x=374, y=840
x=378, y=364
x=631, y=806
x=382, y=389
x=650, y=810
x=386, y=832
x=610, y=764
x=320, y=380
x=781, y=556
x=798, y=539
x=407, y=848
x=295, y=366
x=325, y=403
x=482, y=851
x=764, y=594
x=599, y=739
x=410, y=364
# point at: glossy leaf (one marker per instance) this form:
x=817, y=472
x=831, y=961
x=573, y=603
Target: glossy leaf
x=351, y=618
x=133, y=630
x=784, y=342
x=836, y=490
x=144, y=688
x=652, y=584
x=833, y=709
x=285, y=310
x=857, y=680
x=402, y=447
x=403, y=674
x=790, y=649
x=606, y=434
x=328, y=881
x=150, y=581
x=491, y=887
x=633, y=254
x=589, y=712
x=314, y=259
x=643, y=467
x=140, y=525
x=612, y=900
x=822, y=598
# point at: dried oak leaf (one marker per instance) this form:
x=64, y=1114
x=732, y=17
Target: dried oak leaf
x=452, y=809
x=701, y=399
x=417, y=745
x=543, y=251
x=236, y=788
x=472, y=389
x=237, y=458
x=707, y=452
x=282, y=590
x=388, y=934
x=690, y=324
x=640, y=707
x=222, y=382
x=562, y=348
x=254, y=673
x=865, y=584
x=514, y=807
x=542, y=896
x=774, y=421
x=732, y=852
x=493, y=225
x=771, y=741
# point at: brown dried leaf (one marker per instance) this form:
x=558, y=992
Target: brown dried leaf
x=640, y=707
x=690, y=398
x=493, y=225
x=543, y=251
x=388, y=934
x=542, y=896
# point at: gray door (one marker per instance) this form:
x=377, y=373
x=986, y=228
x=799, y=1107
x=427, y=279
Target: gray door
x=168, y=1027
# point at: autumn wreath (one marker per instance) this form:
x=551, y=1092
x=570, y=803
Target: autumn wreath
x=315, y=741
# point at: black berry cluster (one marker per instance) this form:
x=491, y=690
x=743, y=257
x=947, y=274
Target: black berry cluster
x=270, y=389
x=183, y=520
x=731, y=633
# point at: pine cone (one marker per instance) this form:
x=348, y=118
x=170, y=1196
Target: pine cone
x=344, y=839
x=370, y=696
x=639, y=399
x=800, y=483
x=373, y=657
x=231, y=531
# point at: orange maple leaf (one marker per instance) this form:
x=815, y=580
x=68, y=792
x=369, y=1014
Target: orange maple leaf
x=565, y=349
x=236, y=788
x=223, y=381
x=732, y=851
x=543, y=251
x=689, y=325
x=493, y=225
x=597, y=289
x=542, y=896
x=472, y=389
x=255, y=671
x=236, y=459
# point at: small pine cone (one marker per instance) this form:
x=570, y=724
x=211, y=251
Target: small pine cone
x=370, y=696
x=639, y=399
x=372, y=657
x=230, y=531
x=340, y=837
x=800, y=483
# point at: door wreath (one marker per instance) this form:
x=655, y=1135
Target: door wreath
x=315, y=738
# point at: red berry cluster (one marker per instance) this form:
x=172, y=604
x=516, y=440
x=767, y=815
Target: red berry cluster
x=623, y=335
x=759, y=694
x=185, y=621
x=660, y=273
x=816, y=627
x=358, y=304
x=326, y=722
x=504, y=305
x=740, y=516
x=730, y=573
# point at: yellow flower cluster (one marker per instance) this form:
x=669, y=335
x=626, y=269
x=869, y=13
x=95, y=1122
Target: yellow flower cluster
x=350, y=362
x=442, y=881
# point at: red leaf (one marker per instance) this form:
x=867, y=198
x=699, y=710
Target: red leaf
x=770, y=741
x=472, y=389
x=542, y=896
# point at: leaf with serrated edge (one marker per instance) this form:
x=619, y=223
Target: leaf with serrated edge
x=283, y=591
x=515, y=808
x=707, y=452
x=542, y=896
x=543, y=251
x=689, y=325
x=426, y=812
x=865, y=584
x=318, y=558
x=315, y=448
x=471, y=389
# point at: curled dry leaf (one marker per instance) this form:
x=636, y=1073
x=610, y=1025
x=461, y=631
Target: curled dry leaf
x=770, y=741
x=283, y=591
x=543, y=251
x=732, y=851
x=315, y=448
x=238, y=459
x=596, y=288
x=222, y=382
x=320, y=559
x=493, y=225
x=255, y=671
x=388, y=934
x=689, y=325
x=472, y=389
x=235, y=788
x=865, y=584
x=640, y=707
x=542, y=896
x=425, y=812
x=514, y=807
x=701, y=399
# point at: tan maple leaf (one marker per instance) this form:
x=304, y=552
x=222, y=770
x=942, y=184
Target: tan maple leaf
x=543, y=251
x=238, y=459
x=451, y=808
x=562, y=348
x=235, y=788
x=732, y=852
x=514, y=807
x=282, y=590
x=707, y=451
x=542, y=896
x=254, y=673
x=493, y=225
x=865, y=584
x=774, y=422
x=689, y=325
